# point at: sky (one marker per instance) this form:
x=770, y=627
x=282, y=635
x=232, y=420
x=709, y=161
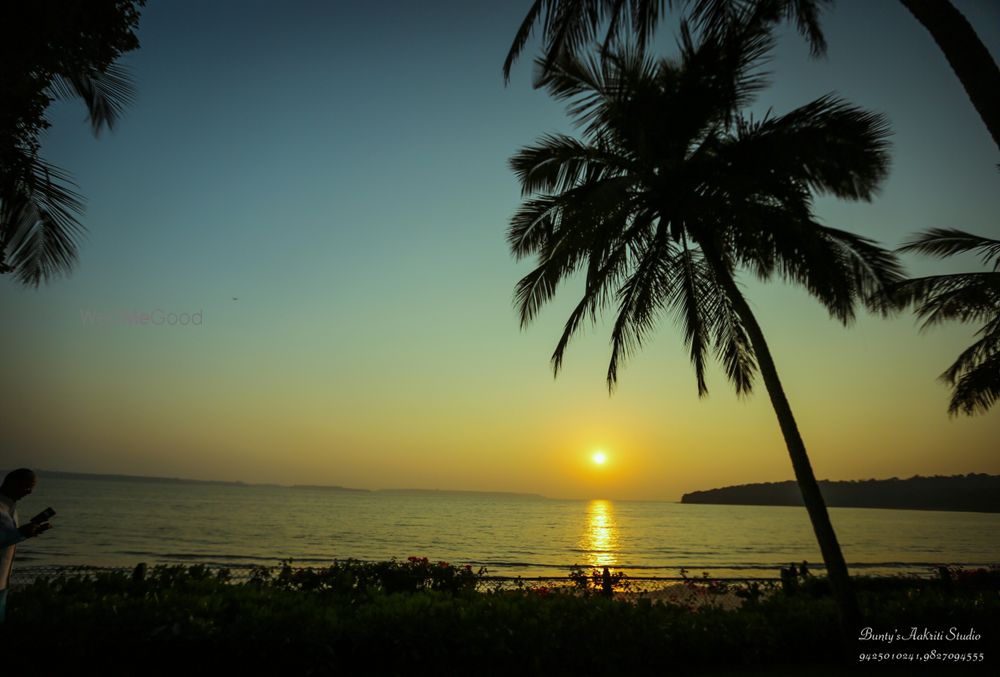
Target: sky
x=321, y=190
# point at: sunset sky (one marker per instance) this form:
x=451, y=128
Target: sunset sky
x=341, y=170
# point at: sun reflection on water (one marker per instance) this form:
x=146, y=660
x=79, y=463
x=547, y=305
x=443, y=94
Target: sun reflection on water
x=600, y=537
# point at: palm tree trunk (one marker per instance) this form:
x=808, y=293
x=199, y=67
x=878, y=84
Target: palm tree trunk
x=966, y=54
x=833, y=558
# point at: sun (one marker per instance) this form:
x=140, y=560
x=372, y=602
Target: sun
x=599, y=457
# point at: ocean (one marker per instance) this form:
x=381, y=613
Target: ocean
x=121, y=523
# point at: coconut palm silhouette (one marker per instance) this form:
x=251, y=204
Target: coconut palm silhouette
x=671, y=191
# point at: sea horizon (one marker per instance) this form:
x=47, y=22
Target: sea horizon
x=125, y=477
x=120, y=523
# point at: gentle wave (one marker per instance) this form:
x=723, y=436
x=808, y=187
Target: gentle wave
x=120, y=524
x=771, y=568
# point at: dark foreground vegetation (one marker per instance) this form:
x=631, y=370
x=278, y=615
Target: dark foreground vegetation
x=420, y=617
x=970, y=493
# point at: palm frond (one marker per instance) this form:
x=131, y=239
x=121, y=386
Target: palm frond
x=872, y=269
x=645, y=16
x=639, y=300
x=689, y=303
x=806, y=15
x=523, y=35
x=840, y=269
x=732, y=342
x=564, y=237
x=572, y=78
x=607, y=265
x=39, y=223
x=725, y=68
x=617, y=12
x=106, y=93
x=713, y=15
x=977, y=389
x=591, y=84
x=558, y=163
x=942, y=242
x=532, y=225
x=829, y=145
x=987, y=345
x=717, y=15
x=611, y=253
x=967, y=297
x=534, y=289
x=720, y=74
x=568, y=26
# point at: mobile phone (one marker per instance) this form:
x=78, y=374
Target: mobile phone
x=43, y=516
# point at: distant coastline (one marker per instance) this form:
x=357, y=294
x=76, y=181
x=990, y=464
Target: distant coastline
x=329, y=487
x=65, y=475
x=104, y=477
x=460, y=492
x=961, y=493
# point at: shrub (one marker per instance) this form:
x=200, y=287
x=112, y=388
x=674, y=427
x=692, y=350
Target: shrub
x=420, y=617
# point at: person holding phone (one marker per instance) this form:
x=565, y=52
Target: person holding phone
x=16, y=485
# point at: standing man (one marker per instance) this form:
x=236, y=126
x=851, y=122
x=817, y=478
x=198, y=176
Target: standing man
x=16, y=485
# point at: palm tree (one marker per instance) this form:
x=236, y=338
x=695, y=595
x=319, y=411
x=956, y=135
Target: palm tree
x=966, y=54
x=671, y=190
x=969, y=297
x=572, y=25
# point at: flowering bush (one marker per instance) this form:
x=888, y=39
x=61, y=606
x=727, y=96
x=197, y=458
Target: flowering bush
x=194, y=621
x=605, y=581
x=973, y=578
x=354, y=576
x=705, y=585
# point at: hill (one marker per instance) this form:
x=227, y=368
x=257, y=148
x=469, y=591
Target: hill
x=968, y=493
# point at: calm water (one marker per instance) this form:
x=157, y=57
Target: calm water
x=105, y=523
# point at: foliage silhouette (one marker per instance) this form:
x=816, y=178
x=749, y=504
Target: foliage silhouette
x=968, y=297
x=156, y=626
x=53, y=50
x=573, y=25
x=671, y=190
x=360, y=578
